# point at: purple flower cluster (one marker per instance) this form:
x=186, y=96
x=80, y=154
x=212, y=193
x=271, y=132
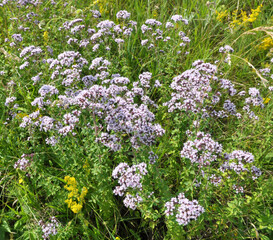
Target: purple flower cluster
x=24, y=161
x=17, y=37
x=255, y=99
x=21, y=3
x=145, y=79
x=45, y=123
x=153, y=22
x=111, y=141
x=191, y=88
x=193, y=92
x=49, y=228
x=265, y=72
x=238, y=189
x=226, y=49
x=30, y=51
x=27, y=53
x=177, y=18
x=69, y=24
x=9, y=100
x=131, y=201
x=51, y=141
x=36, y=78
x=238, y=161
x=123, y=14
x=129, y=178
x=68, y=65
x=256, y=172
x=203, y=150
x=96, y=13
x=70, y=120
x=152, y=157
x=184, y=209
x=79, y=35
x=215, y=180
x=48, y=89
x=153, y=31
x=114, y=104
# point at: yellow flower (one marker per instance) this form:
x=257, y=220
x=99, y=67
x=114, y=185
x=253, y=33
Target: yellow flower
x=86, y=164
x=84, y=191
x=21, y=181
x=221, y=15
x=76, y=207
x=254, y=13
x=74, y=193
x=46, y=38
x=83, y=194
x=70, y=180
x=69, y=202
x=21, y=115
x=266, y=44
x=243, y=18
x=102, y=4
x=154, y=13
x=266, y=100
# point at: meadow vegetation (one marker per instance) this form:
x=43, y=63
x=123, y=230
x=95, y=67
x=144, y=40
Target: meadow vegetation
x=136, y=119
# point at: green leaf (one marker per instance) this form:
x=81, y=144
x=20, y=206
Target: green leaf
x=5, y=226
x=263, y=237
x=18, y=225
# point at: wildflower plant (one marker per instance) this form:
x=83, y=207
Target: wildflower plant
x=119, y=120
x=242, y=18
x=74, y=200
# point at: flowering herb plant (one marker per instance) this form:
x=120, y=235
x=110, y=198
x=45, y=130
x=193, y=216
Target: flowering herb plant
x=133, y=120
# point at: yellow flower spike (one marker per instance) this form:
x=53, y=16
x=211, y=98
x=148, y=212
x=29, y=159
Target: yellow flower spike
x=71, y=186
x=46, y=38
x=243, y=18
